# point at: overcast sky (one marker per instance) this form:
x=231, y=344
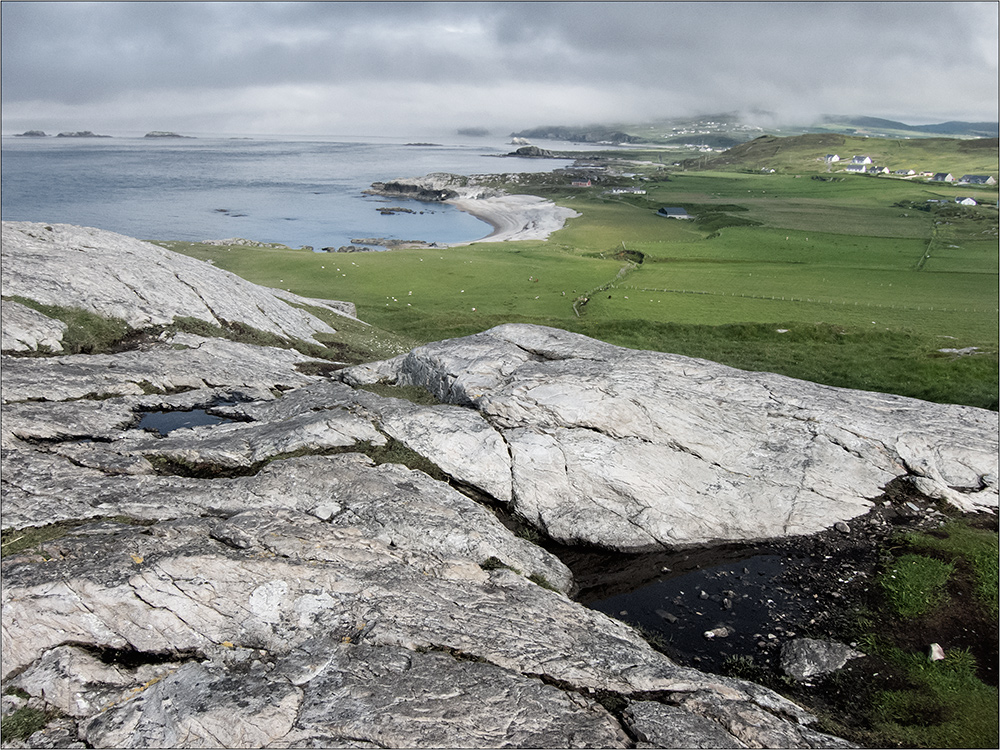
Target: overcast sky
x=407, y=69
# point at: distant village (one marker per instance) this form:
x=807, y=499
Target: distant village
x=865, y=165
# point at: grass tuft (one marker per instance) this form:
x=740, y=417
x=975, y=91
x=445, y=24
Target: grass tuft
x=22, y=723
x=915, y=584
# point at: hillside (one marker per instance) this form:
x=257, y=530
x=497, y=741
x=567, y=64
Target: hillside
x=806, y=153
x=878, y=127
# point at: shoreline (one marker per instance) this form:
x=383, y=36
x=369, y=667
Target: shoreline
x=514, y=217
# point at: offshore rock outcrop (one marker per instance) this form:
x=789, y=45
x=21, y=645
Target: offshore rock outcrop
x=284, y=580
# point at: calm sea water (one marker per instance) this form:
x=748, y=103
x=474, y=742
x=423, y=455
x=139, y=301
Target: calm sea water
x=293, y=191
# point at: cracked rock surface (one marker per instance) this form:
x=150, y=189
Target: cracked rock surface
x=122, y=277
x=326, y=569
x=632, y=450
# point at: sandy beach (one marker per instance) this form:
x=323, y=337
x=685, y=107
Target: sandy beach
x=515, y=217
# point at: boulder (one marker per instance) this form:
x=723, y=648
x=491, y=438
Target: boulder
x=26, y=329
x=804, y=658
x=139, y=282
x=634, y=450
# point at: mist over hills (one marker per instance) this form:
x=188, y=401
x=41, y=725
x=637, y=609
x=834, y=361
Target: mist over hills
x=952, y=127
x=730, y=129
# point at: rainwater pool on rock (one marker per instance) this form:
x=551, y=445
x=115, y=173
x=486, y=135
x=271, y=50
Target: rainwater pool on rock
x=166, y=422
x=736, y=596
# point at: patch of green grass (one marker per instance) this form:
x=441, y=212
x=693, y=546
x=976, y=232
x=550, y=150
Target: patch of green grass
x=86, y=332
x=950, y=708
x=413, y=393
x=13, y=541
x=22, y=723
x=915, y=584
x=977, y=549
x=540, y=580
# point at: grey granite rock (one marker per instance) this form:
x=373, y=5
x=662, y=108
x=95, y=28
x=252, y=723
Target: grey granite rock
x=634, y=450
x=25, y=329
x=182, y=362
x=804, y=658
x=266, y=583
x=273, y=628
x=139, y=282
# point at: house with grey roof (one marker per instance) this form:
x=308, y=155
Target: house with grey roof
x=943, y=177
x=674, y=212
x=977, y=179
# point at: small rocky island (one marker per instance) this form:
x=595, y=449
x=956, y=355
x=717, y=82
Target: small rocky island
x=331, y=565
x=81, y=134
x=165, y=134
x=32, y=134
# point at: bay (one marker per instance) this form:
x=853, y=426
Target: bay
x=294, y=191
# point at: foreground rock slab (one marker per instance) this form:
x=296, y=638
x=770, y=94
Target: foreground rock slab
x=139, y=282
x=278, y=629
x=634, y=450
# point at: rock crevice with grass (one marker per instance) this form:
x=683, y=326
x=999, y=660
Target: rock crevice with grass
x=334, y=565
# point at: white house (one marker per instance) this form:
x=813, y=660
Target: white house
x=977, y=179
x=878, y=170
x=966, y=201
x=861, y=168
x=832, y=158
x=861, y=160
x=905, y=172
x=943, y=177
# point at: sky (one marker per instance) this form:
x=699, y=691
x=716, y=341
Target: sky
x=408, y=69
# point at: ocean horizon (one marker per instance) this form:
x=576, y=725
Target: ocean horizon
x=293, y=190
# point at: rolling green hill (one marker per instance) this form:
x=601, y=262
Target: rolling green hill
x=806, y=154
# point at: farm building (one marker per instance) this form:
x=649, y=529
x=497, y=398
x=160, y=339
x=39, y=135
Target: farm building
x=673, y=212
x=943, y=177
x=861, y=160
x=977, y=179
x=966, y=201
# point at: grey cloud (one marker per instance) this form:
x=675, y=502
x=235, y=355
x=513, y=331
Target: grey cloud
x=917, y=58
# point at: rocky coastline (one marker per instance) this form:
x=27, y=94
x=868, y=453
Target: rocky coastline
x=338, y=563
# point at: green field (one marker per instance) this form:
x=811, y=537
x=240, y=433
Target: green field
x=852, y=281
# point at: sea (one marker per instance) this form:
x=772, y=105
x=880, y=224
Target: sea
x=297, y=191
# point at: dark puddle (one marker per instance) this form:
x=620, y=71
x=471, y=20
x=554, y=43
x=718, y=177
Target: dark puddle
x=165, y=422
x=734, y=593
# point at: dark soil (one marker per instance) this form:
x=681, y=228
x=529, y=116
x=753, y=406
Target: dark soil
x=820, y=586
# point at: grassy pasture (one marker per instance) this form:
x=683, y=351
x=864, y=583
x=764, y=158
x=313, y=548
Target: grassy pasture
x=867, y=284
x=805, y=154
